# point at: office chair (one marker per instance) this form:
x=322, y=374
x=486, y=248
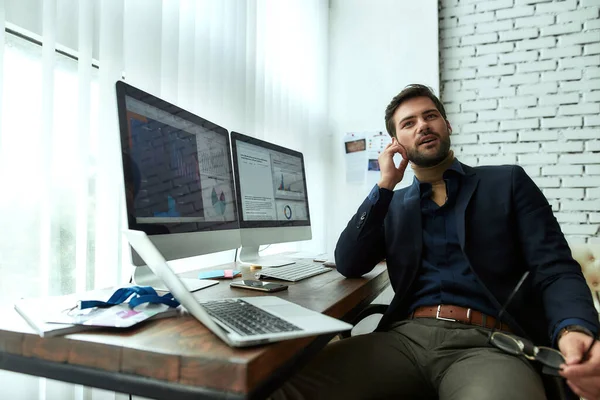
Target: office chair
x=588, y=257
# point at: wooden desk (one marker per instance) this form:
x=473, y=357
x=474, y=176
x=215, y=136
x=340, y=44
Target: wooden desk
x=178, y=358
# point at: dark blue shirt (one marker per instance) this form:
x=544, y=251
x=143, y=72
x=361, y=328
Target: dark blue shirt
x=445, y=276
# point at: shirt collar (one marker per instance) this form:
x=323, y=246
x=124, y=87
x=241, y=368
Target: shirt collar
x=456, y=166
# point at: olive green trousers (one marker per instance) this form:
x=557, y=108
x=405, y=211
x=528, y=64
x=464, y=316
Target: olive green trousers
x=417, y=359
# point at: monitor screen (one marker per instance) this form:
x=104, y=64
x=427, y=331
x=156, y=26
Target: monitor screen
x=271, y=184
x=176, y=165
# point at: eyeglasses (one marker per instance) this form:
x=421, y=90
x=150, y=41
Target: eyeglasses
x=551, y=358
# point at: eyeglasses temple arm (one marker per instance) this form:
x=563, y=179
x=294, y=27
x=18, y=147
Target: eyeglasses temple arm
x=586, y=355
x=510, y=297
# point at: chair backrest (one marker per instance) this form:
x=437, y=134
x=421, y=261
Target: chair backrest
x=588, y=256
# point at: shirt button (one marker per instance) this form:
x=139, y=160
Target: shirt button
x=363, y=216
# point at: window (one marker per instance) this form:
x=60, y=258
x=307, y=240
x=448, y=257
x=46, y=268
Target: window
x=26, y=165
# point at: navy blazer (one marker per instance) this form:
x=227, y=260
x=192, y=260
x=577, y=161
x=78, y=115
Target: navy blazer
x=505, y=227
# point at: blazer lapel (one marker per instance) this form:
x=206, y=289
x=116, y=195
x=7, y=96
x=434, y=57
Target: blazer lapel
x=467, y=188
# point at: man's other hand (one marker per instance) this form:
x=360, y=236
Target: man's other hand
x=583, y=376
x=390, y=174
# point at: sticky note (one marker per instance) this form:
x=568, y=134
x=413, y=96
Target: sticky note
x=218, y=273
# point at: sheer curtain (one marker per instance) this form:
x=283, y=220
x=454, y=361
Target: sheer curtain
x=255, y=66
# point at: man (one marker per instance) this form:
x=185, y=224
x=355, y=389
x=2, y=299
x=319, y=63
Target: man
x=456, y=243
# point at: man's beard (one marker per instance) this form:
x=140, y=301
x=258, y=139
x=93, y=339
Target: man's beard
x=422, y=160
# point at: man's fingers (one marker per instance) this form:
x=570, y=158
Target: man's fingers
x=399, y=147
x=584, y=369
x=573, y=345
x=573, y=352
x=403, y=164
x=393, y=149
x=575, y=389
x=579, y=370
x=580, y=392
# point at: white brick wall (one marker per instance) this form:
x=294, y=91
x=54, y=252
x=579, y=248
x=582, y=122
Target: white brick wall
x=521, y=81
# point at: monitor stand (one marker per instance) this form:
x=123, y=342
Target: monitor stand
x=143, y=276
x=249, y=255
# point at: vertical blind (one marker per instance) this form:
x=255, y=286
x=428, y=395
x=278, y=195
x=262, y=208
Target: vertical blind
x=254, y=66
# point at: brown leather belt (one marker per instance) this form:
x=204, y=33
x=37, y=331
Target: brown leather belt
x=459, y=314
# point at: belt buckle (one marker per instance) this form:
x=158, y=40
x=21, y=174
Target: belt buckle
x=437, y=315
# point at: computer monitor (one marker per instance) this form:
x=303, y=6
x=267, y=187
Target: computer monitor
x=178, y=180
x=271, y=196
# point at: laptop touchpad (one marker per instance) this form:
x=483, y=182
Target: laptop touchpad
x=290, y=310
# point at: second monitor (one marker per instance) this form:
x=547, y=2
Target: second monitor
x=271, y=196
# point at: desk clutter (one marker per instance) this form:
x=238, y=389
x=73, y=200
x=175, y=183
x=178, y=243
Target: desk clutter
x=126, y=307
x=82, y=357
x=219, y=274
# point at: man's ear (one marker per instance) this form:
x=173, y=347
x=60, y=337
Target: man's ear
x=449, y=127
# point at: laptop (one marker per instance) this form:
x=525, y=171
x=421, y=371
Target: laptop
x=242, y=321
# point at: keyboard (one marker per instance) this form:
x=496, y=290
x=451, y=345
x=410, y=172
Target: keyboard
x=293, y=272
x=267, y=262
x=246, y=319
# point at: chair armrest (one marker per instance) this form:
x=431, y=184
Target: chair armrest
x=369, y=310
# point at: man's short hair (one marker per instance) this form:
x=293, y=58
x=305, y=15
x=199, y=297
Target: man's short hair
x=410, y=92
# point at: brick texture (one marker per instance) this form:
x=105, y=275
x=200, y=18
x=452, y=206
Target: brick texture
x=522, y=81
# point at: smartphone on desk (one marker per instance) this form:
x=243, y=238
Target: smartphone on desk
x=258, y=285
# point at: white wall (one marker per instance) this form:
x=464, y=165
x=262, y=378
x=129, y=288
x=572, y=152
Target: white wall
x=376, y=49
x=521, y=84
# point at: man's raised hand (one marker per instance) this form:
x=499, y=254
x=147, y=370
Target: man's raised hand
x=390, y=174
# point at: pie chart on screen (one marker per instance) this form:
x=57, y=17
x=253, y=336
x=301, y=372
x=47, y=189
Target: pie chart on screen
x=218, y=202
x=287, y=211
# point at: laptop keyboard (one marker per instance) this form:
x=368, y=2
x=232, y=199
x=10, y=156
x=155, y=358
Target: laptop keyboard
x=294, y=272
x=246, y=319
